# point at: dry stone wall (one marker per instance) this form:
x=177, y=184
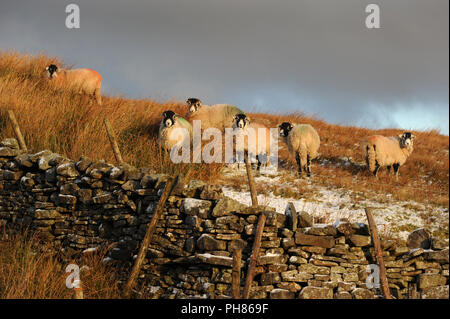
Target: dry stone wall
x=84, y=204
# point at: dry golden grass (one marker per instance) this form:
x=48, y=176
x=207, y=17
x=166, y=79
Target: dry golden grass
x=33, y=269
x=72, y=125
x=423, y=178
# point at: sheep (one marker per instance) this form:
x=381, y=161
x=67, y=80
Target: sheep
x=241, y=125
x=85, y=81
x=303, y=142
x=170, y=134
x=387, y=151
x=220, y=116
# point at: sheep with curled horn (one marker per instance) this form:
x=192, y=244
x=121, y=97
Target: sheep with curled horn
x=219, y=116
x=174, y=130
x=261, y=134
x=303, y=142
x=83, y=81
x=381, y=151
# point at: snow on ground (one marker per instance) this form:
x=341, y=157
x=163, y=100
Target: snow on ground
x=394, y=218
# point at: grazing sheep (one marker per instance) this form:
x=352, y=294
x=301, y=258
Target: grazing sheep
x=220, y=116
x=85, y=81
x=169, y=134
x=303, y=142
x=242, y=125
x=387, y=151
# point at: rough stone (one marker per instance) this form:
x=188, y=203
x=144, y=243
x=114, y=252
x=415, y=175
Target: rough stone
x=316, y=293
x=431, y=280
x=362, y=293
x=419, y=238
x=312, y=240
x=360, y=240
x=438, y=292
x=281, y=294
x=206, y=242
x=196, y=207
x=304, y=220
x=225, y=206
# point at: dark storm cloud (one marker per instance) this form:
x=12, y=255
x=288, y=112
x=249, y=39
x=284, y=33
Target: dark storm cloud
x=278, y=56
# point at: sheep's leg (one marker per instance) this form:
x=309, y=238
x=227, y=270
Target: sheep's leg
x=396, y=167
x=377, y=167
x=304, y=160
x=308, y=166
x=258, y=168
x=389, y=169
x=299, y=163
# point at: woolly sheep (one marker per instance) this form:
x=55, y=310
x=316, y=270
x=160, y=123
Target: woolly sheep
x=168, y=136
x=220, y=116
x=303, y=142
x=241, y=125
x=85, y=81
x=390, y=151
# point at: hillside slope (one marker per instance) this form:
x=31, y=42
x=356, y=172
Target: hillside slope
x=70, y=125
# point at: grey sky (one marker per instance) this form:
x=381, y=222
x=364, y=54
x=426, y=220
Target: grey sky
x=279, y=56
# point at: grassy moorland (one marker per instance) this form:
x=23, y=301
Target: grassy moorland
x=71, y=125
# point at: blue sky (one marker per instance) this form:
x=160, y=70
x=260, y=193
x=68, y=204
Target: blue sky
x=315, y=57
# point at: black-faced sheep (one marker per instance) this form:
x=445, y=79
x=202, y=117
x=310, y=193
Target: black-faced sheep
x=303, y=142
x=390, y=151
x=220, y=116
x=83, y=81
x=174, y=131
x=260, y=137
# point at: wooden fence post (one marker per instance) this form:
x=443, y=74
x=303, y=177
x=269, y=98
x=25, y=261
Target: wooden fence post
x=251, y=180
x=255, y=254
x=113, y=141
x=17, y=131
x=379, y=253
x=170, y=185
x=236, y=273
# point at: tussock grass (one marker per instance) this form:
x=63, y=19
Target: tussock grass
x=34, y=269
x=72, y=125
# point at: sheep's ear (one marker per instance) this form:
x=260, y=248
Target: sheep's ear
x=400, y=136
x=46, y=68
x=163, y=114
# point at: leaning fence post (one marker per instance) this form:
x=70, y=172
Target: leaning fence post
x=17, y=131
x=255, y=254
x=170, y=185
x=379, y=253
x=251, y=180
x=113, y=141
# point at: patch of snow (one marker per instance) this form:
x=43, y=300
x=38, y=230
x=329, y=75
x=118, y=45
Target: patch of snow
x=335, y=204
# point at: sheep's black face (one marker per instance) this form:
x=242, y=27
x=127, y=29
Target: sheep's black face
x=285, y=128
x=168, y=118
x=241, y=120
x=51, y=69
x=406, y=139
x=194, y=104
